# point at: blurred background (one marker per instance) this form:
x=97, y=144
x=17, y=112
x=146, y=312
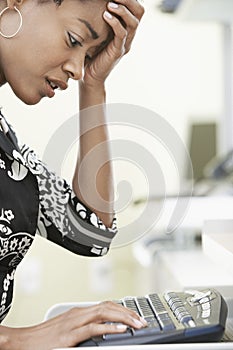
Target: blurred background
x=180, y=68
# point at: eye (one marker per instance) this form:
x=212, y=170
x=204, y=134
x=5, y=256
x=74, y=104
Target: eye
x=74, y=42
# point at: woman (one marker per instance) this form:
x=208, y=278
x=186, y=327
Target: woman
x=43, y=44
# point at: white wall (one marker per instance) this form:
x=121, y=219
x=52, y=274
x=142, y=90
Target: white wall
x=175, y=70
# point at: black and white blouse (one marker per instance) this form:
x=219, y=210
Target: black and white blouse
x=36, y=200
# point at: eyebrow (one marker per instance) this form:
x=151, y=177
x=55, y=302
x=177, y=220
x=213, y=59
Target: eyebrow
x=89, y=27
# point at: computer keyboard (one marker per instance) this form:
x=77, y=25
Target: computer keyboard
x=172, y=317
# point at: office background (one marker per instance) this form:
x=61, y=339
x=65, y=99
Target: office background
x=175, y=68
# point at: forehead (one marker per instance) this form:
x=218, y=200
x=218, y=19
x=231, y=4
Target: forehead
x=86, y=13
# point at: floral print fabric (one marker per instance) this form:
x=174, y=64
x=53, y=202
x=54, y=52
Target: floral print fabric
x=36, y=200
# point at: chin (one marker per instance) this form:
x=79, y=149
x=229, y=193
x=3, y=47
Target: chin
x=30, y=102
x=27, y=98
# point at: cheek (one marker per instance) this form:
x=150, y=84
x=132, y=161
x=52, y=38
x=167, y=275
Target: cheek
x=39, y=56
x=40, y=45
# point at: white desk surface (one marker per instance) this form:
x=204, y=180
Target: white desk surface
x=199, y=209
x=193, y=346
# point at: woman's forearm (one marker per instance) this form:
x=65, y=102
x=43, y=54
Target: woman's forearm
x=93, y=178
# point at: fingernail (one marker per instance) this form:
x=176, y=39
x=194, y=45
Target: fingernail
x=138, y=323
x=113, y=5
x=121, y=326
x=144, y=322
x=107, y=15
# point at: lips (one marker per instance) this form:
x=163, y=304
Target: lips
x=53, y=84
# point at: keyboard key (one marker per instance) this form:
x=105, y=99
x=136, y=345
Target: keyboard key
x=131, y=304
x=185, y=318
x=170, y=295
x=167, y=325
x=116, y=336
x=205, y=313
x=199, y=295
x=179, y=310
x=177, y=305
x=191, y=323
x=173, y=302
x=146, y=331
x=165, y=321
x=156, y=303
x=154, y=324
x=205, y=306
x=145, y=307
x=150, y=319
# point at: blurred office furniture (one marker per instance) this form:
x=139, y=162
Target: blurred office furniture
x=220, y=11
x=169, y=6
x=202, y=147
x=185, y=260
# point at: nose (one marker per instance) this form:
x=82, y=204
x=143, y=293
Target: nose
x=74, y=67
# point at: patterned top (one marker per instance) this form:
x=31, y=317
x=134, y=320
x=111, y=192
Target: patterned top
x=36, y=200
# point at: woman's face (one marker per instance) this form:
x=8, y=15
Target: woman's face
x=52, y=46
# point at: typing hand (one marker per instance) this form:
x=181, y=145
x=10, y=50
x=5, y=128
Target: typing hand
x=73, y=327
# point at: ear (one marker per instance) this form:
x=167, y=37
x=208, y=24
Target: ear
x=12, y=3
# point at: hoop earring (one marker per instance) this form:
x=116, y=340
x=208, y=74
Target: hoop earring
x=20, y=24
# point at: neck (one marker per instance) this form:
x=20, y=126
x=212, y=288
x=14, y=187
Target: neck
x=2, y=75
x=2, y=78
